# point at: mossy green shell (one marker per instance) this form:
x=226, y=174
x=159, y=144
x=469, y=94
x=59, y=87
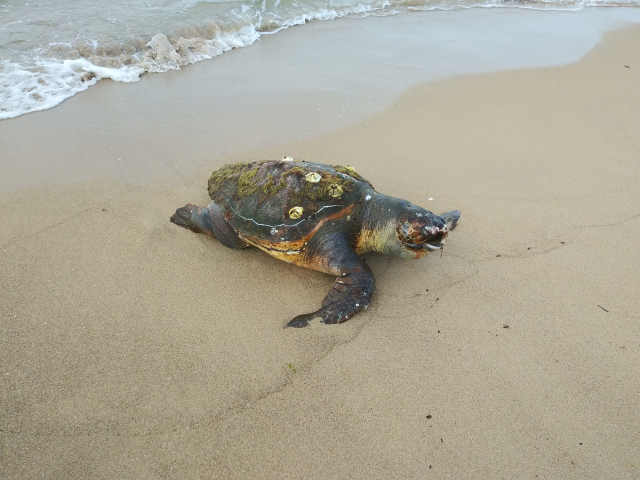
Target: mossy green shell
x=256, y=198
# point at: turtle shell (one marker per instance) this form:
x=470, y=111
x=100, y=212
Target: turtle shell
x=280, y=204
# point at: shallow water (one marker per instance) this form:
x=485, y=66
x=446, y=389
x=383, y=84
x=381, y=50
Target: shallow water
x=50, y=50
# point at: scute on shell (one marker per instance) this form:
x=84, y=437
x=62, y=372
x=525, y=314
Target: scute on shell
x=258, y=198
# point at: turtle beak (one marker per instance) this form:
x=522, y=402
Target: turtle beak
x=434, y=235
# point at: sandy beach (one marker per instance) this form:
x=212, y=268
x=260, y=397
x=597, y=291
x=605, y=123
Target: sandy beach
x=130, y=348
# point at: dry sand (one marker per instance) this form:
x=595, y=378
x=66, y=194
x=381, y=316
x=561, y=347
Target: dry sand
x=134, y=349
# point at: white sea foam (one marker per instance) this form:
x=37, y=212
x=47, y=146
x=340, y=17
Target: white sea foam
x=45, y=84
x=327, y=14
x=49, y=55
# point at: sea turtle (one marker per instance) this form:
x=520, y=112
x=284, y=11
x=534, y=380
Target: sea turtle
x=316, y=216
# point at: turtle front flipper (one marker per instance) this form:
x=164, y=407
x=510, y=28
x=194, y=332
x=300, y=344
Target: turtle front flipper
x=209, y=221
x=351, y=292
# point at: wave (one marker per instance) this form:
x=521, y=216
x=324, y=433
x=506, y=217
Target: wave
x=53, y=71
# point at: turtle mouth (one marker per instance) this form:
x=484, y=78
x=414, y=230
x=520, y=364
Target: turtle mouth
x=432, y=247
x=434, y=236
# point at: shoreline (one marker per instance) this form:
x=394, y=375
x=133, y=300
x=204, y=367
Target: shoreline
x=295, y=85
x=161, y=55
x=131, y=348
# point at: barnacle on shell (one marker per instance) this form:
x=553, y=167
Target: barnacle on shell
x=334, y=190
x=295, y=212
x=313, y=177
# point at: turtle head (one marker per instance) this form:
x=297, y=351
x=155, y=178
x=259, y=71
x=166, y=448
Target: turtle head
x=397, y=227
x=420, y=231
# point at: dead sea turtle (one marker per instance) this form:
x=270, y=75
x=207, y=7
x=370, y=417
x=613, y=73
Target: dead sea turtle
x=316, y=216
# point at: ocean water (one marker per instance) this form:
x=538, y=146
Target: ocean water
x=51, y=50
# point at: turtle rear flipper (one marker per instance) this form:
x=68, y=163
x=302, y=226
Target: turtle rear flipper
x=352, y=290
x=194, y=218
x=209, y=221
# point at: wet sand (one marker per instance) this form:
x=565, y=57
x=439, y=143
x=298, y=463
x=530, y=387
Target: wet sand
x=131, y=348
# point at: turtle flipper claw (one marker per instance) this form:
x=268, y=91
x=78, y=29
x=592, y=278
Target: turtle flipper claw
x=329, y=315
x=301, y=321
